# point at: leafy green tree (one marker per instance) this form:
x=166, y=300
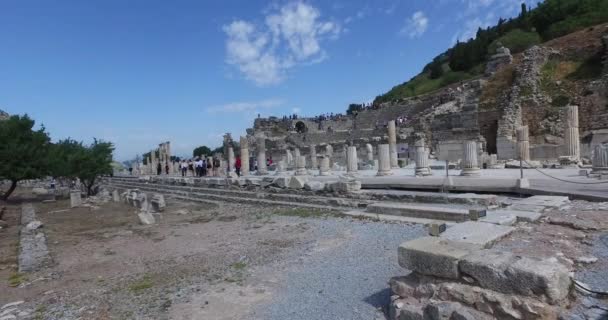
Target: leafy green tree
x=354, y=107
x=23, y=151
x=93, y=161
x=71, y=159
x=202, y=150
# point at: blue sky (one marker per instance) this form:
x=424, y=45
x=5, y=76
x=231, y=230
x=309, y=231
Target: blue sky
x=141, y=72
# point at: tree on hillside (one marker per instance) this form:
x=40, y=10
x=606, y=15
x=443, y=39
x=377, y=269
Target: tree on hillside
x=202, y=150
x=23, y=151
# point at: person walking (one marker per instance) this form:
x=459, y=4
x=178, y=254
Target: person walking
x=204, y=167
x=199, y=167
x=167, y=167
x=216, y=167
x=184, y=167
x=209, y=168
x=237, y=166
x=159, y=169
x=191, y=167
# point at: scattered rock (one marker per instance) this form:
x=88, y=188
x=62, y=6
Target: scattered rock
x=33, y=225
x=12, y=304
x=586, y=260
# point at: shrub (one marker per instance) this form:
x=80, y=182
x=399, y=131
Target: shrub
x=516, y=40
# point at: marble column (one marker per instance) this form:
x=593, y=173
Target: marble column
x=289, y=159
x=313, y=157
x=329, y=152
x=301, y=166
x=168, y=152
x=470, y=167
x=154, y=161
x=351, y=160
x=244, y=144
x=571, y=136
x=261, y=148
x=392, y=144
x=231, y=159
x=600, y=159
x=296, y=154
x=422, y=159
x=370, y=153
x=523, y=143
x=384, y=160
x=324, y=166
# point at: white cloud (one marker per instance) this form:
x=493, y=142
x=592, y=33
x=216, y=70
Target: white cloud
x=416, y=25
x=291, y=35
x=246, y=106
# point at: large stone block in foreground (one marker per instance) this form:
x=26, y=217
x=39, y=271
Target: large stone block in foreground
x=507, y=273
x=434, y=256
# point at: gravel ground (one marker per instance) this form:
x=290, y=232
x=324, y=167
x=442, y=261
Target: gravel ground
x=343, y=275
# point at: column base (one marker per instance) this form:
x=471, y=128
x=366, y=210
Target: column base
x=262, y=173
x=424, y=171
x=472, y=172
x=324, y=173
x=384, y=173
x=301, y=172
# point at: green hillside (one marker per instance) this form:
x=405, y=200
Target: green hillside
x=466, y=60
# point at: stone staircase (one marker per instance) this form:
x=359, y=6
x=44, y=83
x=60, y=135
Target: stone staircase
x=405, y=206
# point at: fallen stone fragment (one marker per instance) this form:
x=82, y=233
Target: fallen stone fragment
x=146, y=218
x=314, y=186
x=12, y=304
x=586, y=260
x=578, y=225
x=297, y=182
x=33, y=225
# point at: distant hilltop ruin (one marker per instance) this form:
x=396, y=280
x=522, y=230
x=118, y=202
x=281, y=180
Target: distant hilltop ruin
x=3, y=115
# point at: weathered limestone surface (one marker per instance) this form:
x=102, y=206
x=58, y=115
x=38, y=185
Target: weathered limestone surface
x=261, y=159
x=470, y=166
x=244, y=144
x=33, y=250
x=523, y=143
x=478, y=233
x=352, y=162
x=301, y=166
x=324, y=167
x=370, y=152
x=313, y=157
x=422, y=159
x=434, y=256
x=384, y=162
x=158, y=202
x=75, y=199
x=115, y=196
x=392, y=144
x=571, y=136
x=231, y=159
x=507, y=273
x=600, y=159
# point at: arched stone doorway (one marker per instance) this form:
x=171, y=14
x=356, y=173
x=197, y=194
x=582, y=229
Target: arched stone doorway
x=301, y=127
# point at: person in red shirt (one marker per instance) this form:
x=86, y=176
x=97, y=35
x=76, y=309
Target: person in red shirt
x=237, y=166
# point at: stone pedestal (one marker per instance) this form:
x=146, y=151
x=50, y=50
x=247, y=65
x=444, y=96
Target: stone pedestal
x=75, y=199
x=470, y=167
x=281, y=167
x=301, y=166
x=384, y=160
x=600, y=160
x=115, y=196
x=244, y=144
x=370, y=152
x=261, y=149
x=392, y=144
x=571, y=136
x=231, y=159
x=422, y=159
x=351, y=160
x=523, y=143
x=324, y=166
